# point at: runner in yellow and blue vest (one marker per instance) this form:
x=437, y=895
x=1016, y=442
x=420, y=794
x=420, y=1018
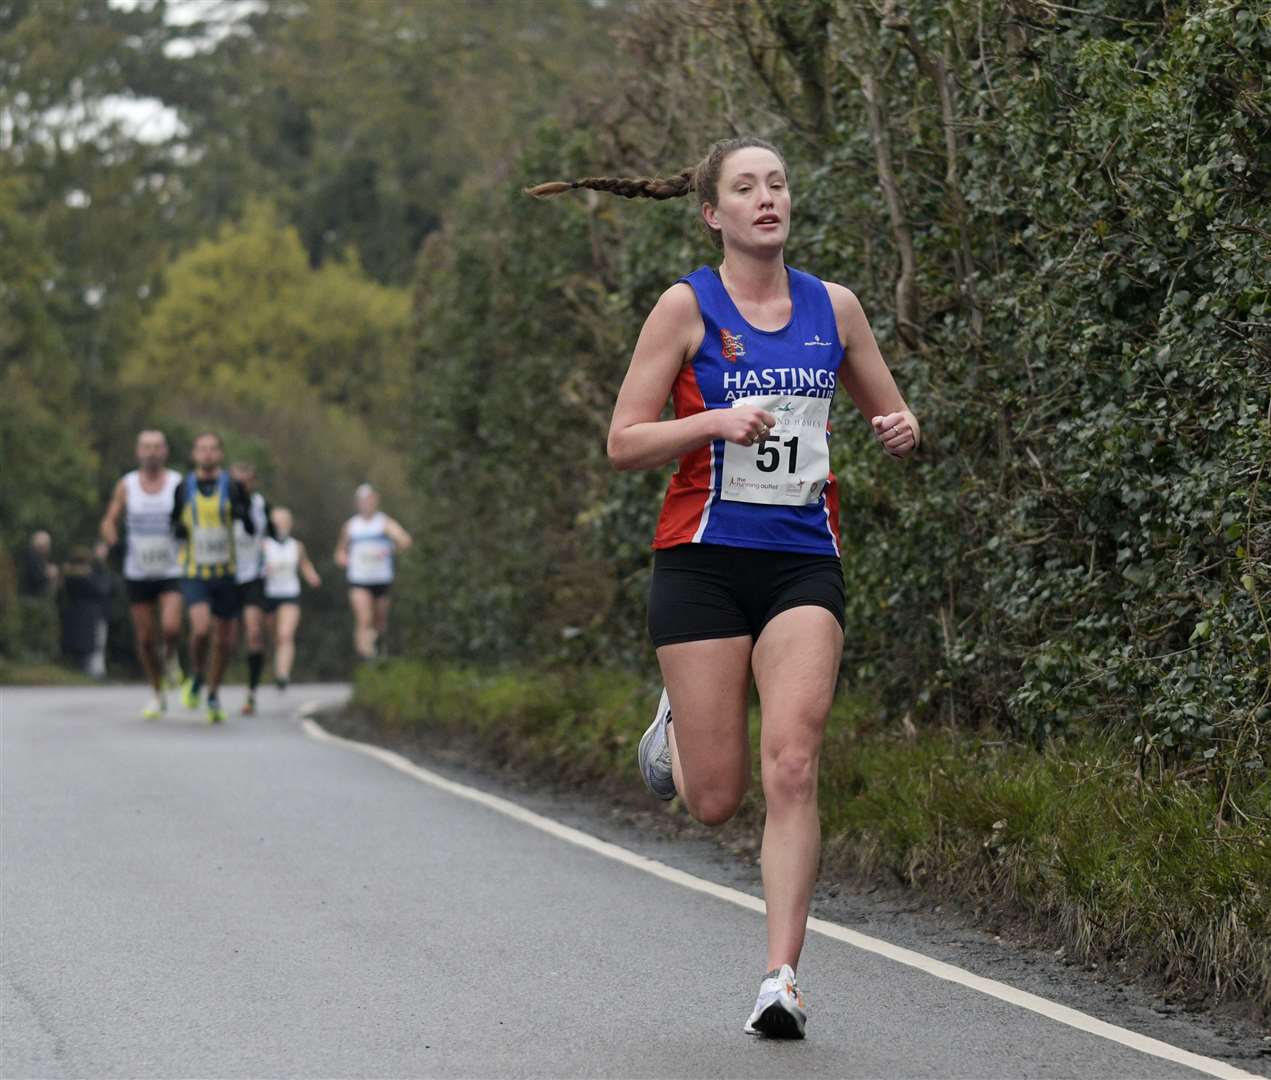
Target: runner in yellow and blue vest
x=207, y=504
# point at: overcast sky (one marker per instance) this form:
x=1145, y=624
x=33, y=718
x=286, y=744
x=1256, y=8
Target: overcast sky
x=148, y=119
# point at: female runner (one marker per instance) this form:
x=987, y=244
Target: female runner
x=286, y=561
x=747, y=577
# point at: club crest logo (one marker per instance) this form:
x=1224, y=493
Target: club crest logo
x=733, y=348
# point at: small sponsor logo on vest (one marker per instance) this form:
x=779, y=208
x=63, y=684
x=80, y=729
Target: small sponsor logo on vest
x=816, y=340
x=733, y=348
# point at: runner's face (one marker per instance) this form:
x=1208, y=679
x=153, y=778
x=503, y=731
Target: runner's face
x=207, y=453
x=368, y=504
x=282, y=522
x=152, y=451
x=754, y=201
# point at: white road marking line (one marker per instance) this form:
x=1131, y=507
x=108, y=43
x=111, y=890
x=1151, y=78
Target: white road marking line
x=1053, y=1011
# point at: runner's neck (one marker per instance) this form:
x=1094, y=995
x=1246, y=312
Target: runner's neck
x=152, y=479
x=754, y=280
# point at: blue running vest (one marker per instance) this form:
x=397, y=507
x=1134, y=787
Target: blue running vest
x=735, y=362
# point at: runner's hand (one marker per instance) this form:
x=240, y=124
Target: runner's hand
x=896, y=433
x=745, y=425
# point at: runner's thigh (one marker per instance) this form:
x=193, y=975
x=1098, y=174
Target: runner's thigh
x=363, y=604
x=709, y=686
x=170, y=611
x=142, y=620
x=200, y=615
x=796, y=662
x=288, y=619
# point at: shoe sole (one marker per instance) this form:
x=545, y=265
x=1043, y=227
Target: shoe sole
x=776, y=1022
x=642, y=757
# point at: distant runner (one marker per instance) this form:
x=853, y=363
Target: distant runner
x=143, y=498
x=368, y=545
x=203, y=514
x=285, y=561
x=249, y=575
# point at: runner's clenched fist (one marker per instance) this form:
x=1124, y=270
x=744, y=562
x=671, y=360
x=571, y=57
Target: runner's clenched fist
x=898, y=433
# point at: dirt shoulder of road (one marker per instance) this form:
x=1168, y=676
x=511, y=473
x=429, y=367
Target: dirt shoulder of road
x=986, y=939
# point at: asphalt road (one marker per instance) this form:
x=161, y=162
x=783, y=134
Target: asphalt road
x=182, y=900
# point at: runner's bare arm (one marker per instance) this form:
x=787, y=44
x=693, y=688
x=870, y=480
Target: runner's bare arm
x=638, y=439
x=342, y=546
x=865, y=376
x=400, y=537
x=109, y=527
x=307, y=568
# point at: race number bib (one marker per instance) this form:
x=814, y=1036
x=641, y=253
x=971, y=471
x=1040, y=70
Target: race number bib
x=369, y=560
x=791, y=466
x=211, y=546
x=154, y=554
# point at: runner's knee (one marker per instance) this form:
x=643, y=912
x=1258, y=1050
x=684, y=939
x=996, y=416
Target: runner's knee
x=713, y=805
x=789, y=775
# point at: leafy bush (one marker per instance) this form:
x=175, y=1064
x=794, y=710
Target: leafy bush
x=1080, y=319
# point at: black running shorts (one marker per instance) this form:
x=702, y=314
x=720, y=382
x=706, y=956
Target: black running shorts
x=147, y=590
x=251, y=593
x=703, y=591
x=220, y=594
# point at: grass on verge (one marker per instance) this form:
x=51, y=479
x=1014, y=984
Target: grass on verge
x=1114, y=869
x=33, y=673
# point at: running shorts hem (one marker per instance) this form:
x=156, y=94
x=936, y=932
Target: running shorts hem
x=148, y=590
x=220, y=594
x=251, y=593
x=378, y=590
x=273, y=603
x=701, y=592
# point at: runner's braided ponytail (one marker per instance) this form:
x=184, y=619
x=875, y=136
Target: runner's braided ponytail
x=703, y=179
x=629, y=187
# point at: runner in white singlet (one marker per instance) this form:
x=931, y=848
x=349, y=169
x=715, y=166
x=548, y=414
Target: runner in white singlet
x=368, y=545
x=143, y=501
x=286, y=560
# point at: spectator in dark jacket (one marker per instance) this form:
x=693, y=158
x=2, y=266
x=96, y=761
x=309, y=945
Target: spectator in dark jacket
x=36, y=575
x=86, y=587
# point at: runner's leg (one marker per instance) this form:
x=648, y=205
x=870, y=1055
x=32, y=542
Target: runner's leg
x=170, y=627
x=288, y=620
x=796, y=662
x=144, y=630
x=708, y=683
x=363, y=605
x=200, y=636
x=382, y=604
x=226, y=631
x=253, y=633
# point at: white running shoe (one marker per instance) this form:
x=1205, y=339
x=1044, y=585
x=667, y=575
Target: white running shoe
x=654, y=753
x=780, y=1012
x=174, y=676
x=155, y=709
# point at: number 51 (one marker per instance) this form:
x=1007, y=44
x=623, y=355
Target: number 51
x=769, y=454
